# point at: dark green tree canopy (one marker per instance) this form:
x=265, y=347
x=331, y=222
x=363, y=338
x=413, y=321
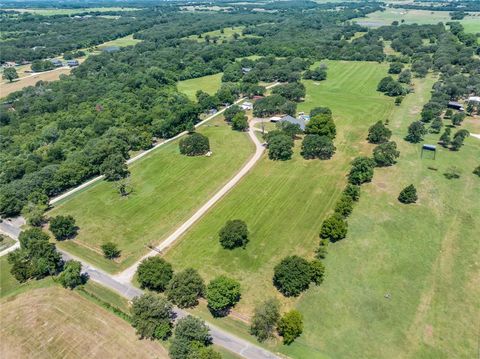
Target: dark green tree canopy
x=194, y=144
x=72, y=276
x=290, y=326
x=408, y=195
x=292, y=276
x=185, y=288
x=154, y=273
x=114, y=168
x=152, y=316
x=222, y=294
x=361, y=171
x=316, y=146
x=234, y=234
x=334, y=228
x=386, y=154
x=322, y=125
x=110, y=250
x=379, y=133
x=265, y=318
x=63, y=227
x=280, y=147
x=416, y=131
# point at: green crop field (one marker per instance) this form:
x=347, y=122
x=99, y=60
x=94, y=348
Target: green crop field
x=425, y=256
x=167, y=189
x=284, y=203
x=210, y=84
x=380, y=18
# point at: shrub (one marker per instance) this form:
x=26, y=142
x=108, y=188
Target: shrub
x=476, y=171
x=63, y=227
x=154, y=273
x=152, y=316
x=110, y=250
x=361, y=171
x=344, y=206
x=408, y=195
x=379, y=133
x=353, y=191
x=334, y=228
x=265, y=318
x=185, y=288
x=290, y=326
x=316, y=146
x=452, y=173
x=234, y=234
x=386, y=154
x=222, y=294
x=317, y=271
x=292, y=276
x=322, y=250
x=194, y=144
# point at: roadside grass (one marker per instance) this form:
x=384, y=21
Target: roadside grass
x=380, y=18
x=167, y=189
x=425, y=256
x=284, y=203
x=55, y=322
x=209, y=84
x=51, y=12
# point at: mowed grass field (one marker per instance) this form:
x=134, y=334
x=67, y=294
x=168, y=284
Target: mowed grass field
x=57, y=323
x=425, y=256
x=120, y=42
x=167, y=189
x=217, y=34
x=210, y=84
x=471, y=22
x=284, y=203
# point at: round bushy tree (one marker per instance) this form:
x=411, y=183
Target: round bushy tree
x=234, y=234
x=334, y=228
x=222, y=294
x=322, y=125
x=361, y=171
x=194, y=144
x=316, y=146
x=114, y=168
x=72, y=275
x=344, y=206
x=240, y=122
x=290, y=326
x=152, y=316
x=416, y=131
x=292, y=276
x=317, y=271
x=154, y=273
x=280, y=147
x=352, y=191
x=185, y=288
x=379, y=133
x=408, y=195
x=265, y=318
x=386, y=154
x=63, y=227
x=110, y=250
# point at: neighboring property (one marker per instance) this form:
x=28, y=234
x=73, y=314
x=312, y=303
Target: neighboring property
x=8, y=64
x=456, y=106
x=111, y=49
x=246, y=106
x=296, y=121
x=72, y=63
x=246, y=70
x=474, y=99
x=56, y=62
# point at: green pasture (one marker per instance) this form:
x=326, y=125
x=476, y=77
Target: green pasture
x=121, y=42
x=404, y=283
x=51, y=12
x=167, y=189
x=219, y=36
x=380, y=18
x=284, y=203
x=209, y=84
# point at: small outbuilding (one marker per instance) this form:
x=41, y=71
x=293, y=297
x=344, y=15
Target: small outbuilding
x=56, y=62
x=474, y=99
x=246, y=106
x=72, y=63
x=456, y=106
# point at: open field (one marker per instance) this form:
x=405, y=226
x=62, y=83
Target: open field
x=284, y=203
x=424, y=255
x=380, y=18
x=209, y=84
x=57, y=323
x=120, y=42
x=167, y=189
x=50, y=12
x=217, y=34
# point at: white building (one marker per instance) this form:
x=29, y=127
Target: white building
x=246, y=106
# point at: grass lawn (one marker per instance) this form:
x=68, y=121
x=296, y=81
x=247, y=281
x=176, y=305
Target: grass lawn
x=284, y=203
x=209, y=84
x=380, y=18
x=120, y=42
x=56, y=323
x=5, y=242
x=424, y=255
x=217, y=34
x=167, y=189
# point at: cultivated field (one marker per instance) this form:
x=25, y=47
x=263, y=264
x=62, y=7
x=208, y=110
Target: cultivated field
x=425, y=256
x=209, y=84
x=284, y=203
x=167, y=189
x=380, y=18
x=57, y=323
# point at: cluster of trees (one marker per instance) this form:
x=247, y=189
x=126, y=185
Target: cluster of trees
x=267, y=319
x=184, y=288
x=42, y=65
x=319, y=73
x=458, y=138
x=391, y=87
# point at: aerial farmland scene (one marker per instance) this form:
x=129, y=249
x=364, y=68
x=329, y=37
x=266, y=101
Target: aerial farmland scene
x=260, y=179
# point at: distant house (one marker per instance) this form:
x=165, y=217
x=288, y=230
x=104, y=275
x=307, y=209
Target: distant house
x=456, y=106
x=246, y=70
x=72, y=63
x=56, y=62
x=303, y=117
x=111, y=49
x=9, y=64
x=275, y=119
x=474, y=99
x=246, y=106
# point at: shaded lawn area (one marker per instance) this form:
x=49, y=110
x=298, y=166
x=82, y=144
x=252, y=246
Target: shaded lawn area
x=167, y=189
x=209, y=84
x=284, y=203
x=424, y=255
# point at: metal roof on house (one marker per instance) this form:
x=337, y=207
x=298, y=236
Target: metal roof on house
x=294, y=120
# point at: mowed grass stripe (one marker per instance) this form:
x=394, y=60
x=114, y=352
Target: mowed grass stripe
x=284, y=203
x=167, y=189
